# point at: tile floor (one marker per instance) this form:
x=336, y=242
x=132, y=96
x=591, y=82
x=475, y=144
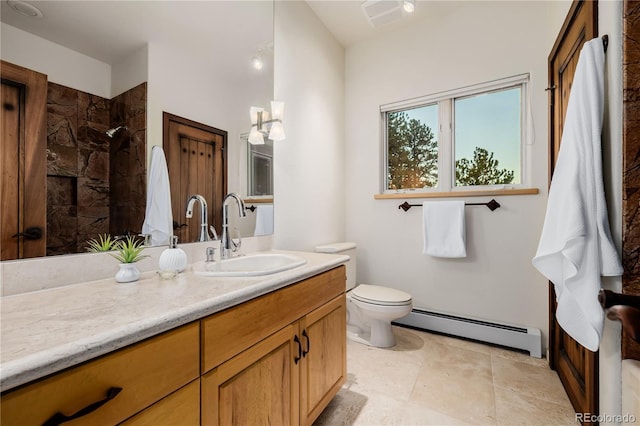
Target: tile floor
x=429, y=379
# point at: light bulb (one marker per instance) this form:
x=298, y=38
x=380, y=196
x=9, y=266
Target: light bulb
x=255, y=137
x=277, y=110
x=257, y=62
x=253, y=113
x=409, y=6
x=277, y=132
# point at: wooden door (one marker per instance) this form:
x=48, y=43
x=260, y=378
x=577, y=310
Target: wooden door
x=257, y=387
x=577, y=367
x=324, y=364
x=23, y=162
x=196, y=161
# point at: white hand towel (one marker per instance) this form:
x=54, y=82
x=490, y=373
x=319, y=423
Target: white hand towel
x=158, y=221
x=264, y=220
x=575, y=247
x=444, y=229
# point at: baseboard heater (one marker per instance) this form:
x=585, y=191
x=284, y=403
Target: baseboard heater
x=528, y=339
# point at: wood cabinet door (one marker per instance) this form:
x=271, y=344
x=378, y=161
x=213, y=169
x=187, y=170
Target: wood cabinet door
x=323, y=335
x=577, y=367
x=257, y=387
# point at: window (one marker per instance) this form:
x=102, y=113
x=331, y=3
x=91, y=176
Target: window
x=260, y=175
x=413, y=148
x=468, y=139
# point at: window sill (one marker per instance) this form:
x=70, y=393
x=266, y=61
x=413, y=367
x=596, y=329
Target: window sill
x=480, y=193
x=265, y=200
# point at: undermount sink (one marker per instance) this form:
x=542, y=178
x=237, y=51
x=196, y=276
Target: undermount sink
x=249, y=266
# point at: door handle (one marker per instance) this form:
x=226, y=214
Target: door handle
x=299, y=357
x=32, y=233
x=306, y=336
x=59, y=418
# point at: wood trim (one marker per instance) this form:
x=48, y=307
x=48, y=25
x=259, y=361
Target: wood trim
x=483, y=193
x=258, y=200
x=631, y=162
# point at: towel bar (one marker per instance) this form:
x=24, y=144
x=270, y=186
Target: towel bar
x=492, y=205
x=624, y=308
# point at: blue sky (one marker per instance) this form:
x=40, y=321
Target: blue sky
x=490, y=121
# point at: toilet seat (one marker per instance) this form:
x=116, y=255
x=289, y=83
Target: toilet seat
x=378, y=295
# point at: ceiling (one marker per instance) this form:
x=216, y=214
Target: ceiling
x=111, y=30
x=346, y=20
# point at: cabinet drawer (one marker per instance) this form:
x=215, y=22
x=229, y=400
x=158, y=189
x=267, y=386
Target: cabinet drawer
x=180, y=408
x=146, y=372
x=229, y=332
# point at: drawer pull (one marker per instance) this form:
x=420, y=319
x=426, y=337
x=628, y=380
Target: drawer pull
x=297, y=358
x=306, y=336
x=59, y=418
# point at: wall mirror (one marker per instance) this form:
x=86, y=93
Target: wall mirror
x=190, y=58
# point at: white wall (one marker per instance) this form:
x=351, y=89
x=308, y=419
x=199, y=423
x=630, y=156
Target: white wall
x=309, y=164
x=481, y=41
x=131, y=72
x=61, y=65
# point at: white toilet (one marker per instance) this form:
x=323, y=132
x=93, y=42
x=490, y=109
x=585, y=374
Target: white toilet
x=370, y=308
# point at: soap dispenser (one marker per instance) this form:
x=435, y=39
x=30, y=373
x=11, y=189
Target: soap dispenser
x=173, y=258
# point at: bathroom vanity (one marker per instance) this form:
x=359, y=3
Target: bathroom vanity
x=238, y=351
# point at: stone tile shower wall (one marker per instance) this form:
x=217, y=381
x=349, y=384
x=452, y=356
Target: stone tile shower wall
x=94, y=183
x=127, y=166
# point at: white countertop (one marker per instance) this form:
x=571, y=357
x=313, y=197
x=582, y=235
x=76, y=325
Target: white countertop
x=45, y=331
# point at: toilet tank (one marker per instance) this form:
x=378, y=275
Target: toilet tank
x=343, y=248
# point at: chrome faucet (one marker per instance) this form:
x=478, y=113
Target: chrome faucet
x=228, y=245
x=204, y=231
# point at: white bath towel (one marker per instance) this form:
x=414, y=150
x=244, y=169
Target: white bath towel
x=264, y=220
x=443, y=228
x=575, y=247
x=158, y=220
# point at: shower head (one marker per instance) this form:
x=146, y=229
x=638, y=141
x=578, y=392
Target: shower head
x=111, y=132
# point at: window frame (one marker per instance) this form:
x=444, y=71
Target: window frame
x=445, y=134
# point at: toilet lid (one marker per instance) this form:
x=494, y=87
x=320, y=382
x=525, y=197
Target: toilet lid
x=380, y=295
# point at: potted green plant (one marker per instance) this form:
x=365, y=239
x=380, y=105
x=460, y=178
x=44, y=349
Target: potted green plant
x=128, y=252
x=104, y=242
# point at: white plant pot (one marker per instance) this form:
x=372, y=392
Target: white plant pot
x=127, y=273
